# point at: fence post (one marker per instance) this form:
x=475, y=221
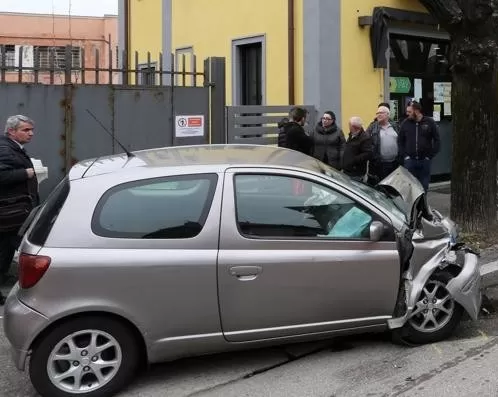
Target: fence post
x=68, y=55
x=215, y=74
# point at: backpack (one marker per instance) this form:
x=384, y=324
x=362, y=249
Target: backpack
x=282, y=136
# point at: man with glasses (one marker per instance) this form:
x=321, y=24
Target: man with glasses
x=384, y=133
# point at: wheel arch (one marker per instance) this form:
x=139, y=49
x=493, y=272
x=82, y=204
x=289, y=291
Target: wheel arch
x=137, y=335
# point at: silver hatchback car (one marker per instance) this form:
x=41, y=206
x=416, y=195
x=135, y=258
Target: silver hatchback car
x=185, y=251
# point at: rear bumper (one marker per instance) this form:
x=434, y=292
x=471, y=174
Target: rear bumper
x=21, y=325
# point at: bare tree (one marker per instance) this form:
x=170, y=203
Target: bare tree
x=472, y=26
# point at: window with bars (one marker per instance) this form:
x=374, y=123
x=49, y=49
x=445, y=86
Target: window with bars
x=10, y=56
x=59, y=57
x=147, y=75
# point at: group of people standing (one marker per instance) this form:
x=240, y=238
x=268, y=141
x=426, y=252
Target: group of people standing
x=372, y=154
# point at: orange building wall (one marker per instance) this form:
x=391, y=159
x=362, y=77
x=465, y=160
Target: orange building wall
x=90, y=33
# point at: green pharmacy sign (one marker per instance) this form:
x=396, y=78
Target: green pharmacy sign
x=400, y=85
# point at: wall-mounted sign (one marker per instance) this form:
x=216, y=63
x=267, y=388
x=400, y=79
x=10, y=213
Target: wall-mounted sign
x=400, y=85
x=188, y=126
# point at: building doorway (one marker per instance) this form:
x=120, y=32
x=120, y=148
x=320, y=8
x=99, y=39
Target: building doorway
x=250, y=56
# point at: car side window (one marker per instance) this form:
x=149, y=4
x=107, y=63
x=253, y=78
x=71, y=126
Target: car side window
x=277, y=206
x=160, y=208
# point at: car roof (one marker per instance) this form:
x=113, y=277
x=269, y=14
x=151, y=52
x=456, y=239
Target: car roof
x=223, y=156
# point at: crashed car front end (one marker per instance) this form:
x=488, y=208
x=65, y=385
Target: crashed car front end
x=434, y=247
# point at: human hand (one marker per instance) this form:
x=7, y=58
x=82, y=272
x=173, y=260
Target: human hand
x=30, y=172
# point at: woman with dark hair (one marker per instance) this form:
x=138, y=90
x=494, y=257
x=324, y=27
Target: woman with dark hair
x=328, y=141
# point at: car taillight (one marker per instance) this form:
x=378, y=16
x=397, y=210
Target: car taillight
x=31, y=269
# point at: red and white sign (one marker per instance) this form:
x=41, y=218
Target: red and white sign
x=188, y=126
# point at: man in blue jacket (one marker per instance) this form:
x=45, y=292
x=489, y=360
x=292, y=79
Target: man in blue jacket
x=418, y=142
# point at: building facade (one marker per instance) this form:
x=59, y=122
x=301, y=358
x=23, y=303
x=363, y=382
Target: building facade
x=340, y=55
x=38, y=42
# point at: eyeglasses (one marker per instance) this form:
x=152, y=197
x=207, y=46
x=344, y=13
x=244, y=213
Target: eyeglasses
x=327, y=118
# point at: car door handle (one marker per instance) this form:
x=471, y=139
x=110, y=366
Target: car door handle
x=245, y=273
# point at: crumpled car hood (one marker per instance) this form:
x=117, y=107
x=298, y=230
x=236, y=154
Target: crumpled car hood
x=404, y=184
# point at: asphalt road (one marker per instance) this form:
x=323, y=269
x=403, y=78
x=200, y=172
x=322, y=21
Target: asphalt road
x=366, y=365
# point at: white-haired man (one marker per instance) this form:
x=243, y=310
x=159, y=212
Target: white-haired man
x=384, y=133
x=358, y=150
x=18, y=187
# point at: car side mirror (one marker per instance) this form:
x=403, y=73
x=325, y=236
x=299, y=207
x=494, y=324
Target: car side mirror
x=376, y=230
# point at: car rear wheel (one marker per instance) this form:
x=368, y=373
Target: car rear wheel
x=436, y=313
x=85, y=357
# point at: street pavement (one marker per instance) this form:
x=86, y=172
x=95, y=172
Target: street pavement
x=363, y=365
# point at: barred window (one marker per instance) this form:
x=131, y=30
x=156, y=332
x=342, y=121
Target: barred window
x=59, y=57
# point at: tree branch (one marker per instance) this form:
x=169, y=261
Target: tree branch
x=447, y=12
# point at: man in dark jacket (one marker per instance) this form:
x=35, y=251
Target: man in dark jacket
x=358, y=150
x=418, y=143
x=18, y=187
x=293, y=135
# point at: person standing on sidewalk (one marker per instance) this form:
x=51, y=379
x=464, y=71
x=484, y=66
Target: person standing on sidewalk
x=384, y=133
x=418, y=143
x=292, y=135
x=358, y=150
x=18, y=188
x=328, y=141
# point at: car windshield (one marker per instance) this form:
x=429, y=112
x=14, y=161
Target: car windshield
x=396, y=207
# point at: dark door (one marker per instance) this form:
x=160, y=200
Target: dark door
x=250, y=56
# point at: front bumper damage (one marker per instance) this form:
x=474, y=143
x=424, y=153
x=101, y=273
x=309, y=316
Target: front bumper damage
x=465, y=288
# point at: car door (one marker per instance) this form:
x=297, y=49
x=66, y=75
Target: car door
x=296, y=257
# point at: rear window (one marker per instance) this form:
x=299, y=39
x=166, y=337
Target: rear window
x=161, y=208
x=49, y=213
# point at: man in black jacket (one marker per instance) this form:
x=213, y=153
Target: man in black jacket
x=358, y=150
x=18, y=187
x=292, y=135
x=418, y=143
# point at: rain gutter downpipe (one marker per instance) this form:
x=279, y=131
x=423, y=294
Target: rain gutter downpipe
x=291, y=51
x=126, y=40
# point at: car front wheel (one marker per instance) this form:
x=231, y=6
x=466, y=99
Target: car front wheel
x=85, y=357
x=436, y=314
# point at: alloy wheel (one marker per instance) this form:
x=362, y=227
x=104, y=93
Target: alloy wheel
x=434, y=308
x=84, y=361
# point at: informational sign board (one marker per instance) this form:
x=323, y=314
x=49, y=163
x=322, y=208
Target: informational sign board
x=189, y=126
x=400, y=85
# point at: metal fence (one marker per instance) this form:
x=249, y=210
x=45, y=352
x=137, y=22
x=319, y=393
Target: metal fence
x=258, y=124
x=77, y=65
x=139, y=111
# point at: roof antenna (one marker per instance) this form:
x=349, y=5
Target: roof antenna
x=128, y=153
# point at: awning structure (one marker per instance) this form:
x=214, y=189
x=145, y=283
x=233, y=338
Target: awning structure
x=379, y=32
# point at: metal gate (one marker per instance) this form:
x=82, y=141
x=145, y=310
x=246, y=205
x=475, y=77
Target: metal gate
x=141, y=114
x=258, y=124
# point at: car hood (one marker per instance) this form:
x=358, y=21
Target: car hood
x=402, y=183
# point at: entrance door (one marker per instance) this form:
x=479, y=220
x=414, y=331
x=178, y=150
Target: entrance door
x=290, y=263
x=250, y=56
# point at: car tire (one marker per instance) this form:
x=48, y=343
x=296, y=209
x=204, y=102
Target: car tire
x=67, y=341
x=414, y=332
